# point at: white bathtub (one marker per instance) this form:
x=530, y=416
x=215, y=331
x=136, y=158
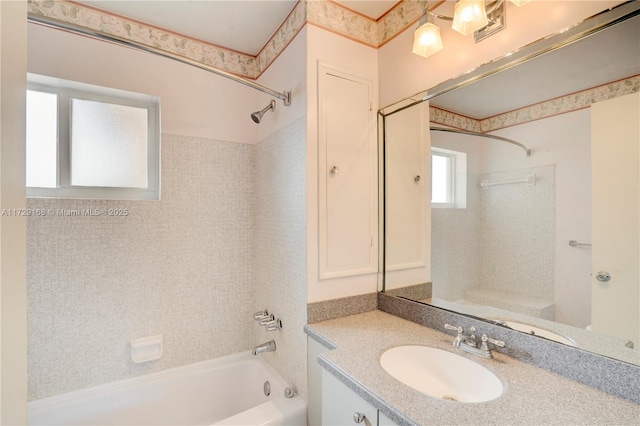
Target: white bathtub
x=222, y=391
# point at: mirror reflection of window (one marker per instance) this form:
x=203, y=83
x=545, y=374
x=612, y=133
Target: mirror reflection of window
x=442, y=176
x=448, y=178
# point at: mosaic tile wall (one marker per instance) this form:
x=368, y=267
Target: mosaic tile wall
x=280, y=248
x=503, y=240
x=517, y=225
x=455, y=246
x=181, y=267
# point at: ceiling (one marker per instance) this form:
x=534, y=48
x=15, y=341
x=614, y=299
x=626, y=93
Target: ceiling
x=241, y=25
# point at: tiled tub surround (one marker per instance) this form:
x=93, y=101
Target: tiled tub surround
x=184, y=267
x=518, y=218
x=181, y=267
x=531, y=396
x=279, y=248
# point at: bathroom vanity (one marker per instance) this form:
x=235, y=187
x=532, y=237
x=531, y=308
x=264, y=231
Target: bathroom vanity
x=354, y=383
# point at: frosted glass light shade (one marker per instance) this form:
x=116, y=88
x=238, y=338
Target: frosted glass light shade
x=469, y=16
x=108, y=145
x=427, y=40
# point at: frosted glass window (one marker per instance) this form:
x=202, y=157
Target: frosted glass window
x=108, y=145
x=91, y=142
x=42, y=139
x=442, y=171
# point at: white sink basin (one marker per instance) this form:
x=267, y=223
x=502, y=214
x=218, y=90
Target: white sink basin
x=537, y=331
x=441, y=374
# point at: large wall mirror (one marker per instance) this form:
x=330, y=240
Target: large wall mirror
x=512, y=193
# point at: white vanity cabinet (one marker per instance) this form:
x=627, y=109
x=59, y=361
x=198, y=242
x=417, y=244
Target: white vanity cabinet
x=347, y=174
x=341, y=406
x=385, y=421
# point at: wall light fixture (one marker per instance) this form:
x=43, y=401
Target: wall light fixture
x=470, y=16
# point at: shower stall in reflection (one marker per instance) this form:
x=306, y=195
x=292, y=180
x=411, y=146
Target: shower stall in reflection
x=493, y=241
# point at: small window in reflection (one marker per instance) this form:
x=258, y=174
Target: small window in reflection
x=448, y=178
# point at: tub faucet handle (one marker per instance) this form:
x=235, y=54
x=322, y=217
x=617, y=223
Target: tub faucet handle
x=260, y=315
x=274, y=325
x=266, y=320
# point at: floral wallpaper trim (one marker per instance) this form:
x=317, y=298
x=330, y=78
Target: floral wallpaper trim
x=331, y=16
x=328, y=15
x=282, y=37
x=75, y=13
x=451, y=119
x=402, y=15
x=563, y=104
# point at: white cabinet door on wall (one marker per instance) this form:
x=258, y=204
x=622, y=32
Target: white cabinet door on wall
x=615, y=156
x=347, y=174
x=407, y=188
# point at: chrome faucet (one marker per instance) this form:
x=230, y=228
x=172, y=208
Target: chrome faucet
x=269, y=346
x=469, y=342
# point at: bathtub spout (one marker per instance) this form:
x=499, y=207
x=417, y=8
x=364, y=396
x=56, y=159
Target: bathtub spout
x=269, y=346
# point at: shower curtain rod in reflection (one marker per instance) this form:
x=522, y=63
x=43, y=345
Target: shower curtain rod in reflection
x=285, y=97
x=467, y=132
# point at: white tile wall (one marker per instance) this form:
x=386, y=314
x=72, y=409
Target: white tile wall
x=182, y=267
x=503, y=240
x=280, y=247
x=456, y=248
x=518, y=233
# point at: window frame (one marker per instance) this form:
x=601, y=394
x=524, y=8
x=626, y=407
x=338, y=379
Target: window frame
x=66, y=91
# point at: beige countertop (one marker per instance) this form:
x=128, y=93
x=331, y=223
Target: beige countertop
x=532, y=396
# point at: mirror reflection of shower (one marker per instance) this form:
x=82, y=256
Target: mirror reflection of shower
x=257, y=116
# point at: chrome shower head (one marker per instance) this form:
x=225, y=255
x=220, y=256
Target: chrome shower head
x=257, y=116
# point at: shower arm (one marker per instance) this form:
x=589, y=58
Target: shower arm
x=46, y=21
x=483, y=135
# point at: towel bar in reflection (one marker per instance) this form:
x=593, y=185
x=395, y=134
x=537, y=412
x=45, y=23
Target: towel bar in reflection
x=529, y=180
x=574, y=243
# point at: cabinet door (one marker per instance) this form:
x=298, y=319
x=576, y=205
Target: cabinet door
x=340, y=404
x=407, y=188
x=347, y=175
x=615, y=156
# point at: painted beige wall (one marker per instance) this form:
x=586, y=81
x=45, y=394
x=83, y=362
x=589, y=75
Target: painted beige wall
x=13, y=309
x=194, y=102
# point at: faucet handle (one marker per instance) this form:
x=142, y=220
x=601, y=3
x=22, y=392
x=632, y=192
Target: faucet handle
x=274, y=325
x=267, y=319
x=455, y=328
x=486, y=339
x=260, y=315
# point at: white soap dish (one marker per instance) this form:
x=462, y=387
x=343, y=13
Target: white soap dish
x=146, y=349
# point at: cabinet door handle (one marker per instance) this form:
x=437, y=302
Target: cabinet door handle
x=334, y=170
x=358, y=417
